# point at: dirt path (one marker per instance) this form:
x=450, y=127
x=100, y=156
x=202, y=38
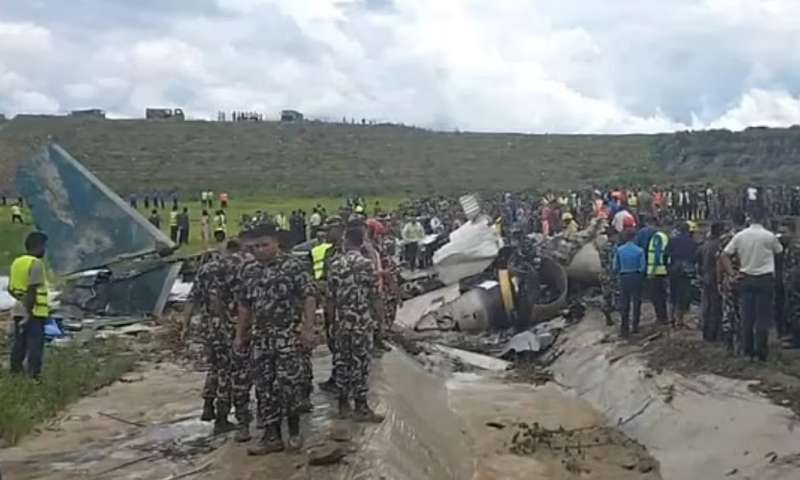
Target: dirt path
x=147, y=427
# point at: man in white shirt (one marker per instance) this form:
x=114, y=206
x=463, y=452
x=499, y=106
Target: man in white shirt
x=413, y=233
x=756, y=248
x=314, y=223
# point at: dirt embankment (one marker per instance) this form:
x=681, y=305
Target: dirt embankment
x=685, y=352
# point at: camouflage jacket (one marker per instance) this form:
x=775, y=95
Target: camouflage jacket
x=791, y=266
x=352, y=282
x=217, y=281
x=275, y=292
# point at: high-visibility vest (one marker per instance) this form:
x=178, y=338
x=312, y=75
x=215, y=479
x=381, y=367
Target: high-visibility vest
x=173, y=218
x=655, y=255
x=219, y=224
x=18, y=285
x=16, y=211
x=318, y=258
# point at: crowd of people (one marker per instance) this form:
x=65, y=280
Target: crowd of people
x=672, y=246
x=259, y=295
x=259, y=300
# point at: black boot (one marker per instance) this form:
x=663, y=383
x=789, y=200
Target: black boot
x=221, y=424
x=208, y=410
x=295, y=441
x=364, y=414
x=345, y=411
x=329, y=386
x=271, y=442
x=381, y=345
x=242, y=433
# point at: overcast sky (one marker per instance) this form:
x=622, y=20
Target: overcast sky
x=503, y=65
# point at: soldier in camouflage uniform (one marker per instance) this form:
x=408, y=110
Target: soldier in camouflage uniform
x=392, y=294
x=791, y=271
x=608, y=280
x=227, y=382
x=277, y=307
x=731, y=311
x=352, y=281
x=334, y=226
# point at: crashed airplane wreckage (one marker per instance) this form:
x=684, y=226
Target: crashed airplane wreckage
x=517, y=285
x=109, y=259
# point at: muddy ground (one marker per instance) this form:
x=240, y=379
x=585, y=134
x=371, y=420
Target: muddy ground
x=685, y=352
x=147, y=426
x=517, y=424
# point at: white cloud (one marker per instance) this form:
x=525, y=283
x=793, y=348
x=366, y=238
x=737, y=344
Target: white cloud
x=761, y=108
x=32, y=102
x=515, y=65
x=24, y=38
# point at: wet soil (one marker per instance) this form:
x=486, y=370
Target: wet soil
x=685, y=352
x=580, y=448
x=498, y=414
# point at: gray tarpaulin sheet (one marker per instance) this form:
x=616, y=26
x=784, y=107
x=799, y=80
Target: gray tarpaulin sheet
x=88, y=224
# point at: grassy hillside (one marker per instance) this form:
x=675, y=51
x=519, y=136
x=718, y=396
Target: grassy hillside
x=313, y=159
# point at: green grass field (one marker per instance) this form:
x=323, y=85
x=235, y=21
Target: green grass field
x=11, y=239
x=70, y=372
x=13, y=236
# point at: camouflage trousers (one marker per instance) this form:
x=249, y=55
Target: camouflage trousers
x=280, y=377
x=610, y=291
x=390, y=306
x=351, y=364
x=329, y=320
x=308, y=372
x=793, y=314
x=228, y=379
x=732, y=321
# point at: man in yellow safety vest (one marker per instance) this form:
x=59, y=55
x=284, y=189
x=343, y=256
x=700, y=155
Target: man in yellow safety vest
x=657, y=273
x=27, y=283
